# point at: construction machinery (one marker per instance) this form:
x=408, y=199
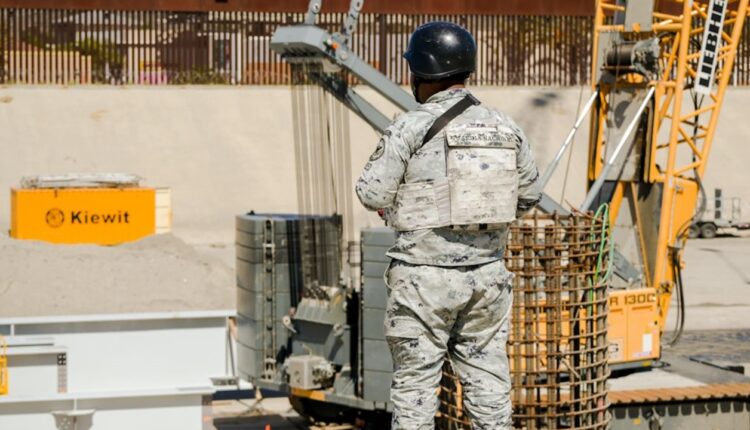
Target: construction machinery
x=102, y=208
x=660, y=70
x=721, y=214
x=659, y=74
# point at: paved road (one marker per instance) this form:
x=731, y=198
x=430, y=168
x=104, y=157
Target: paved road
x=717, y=284
x=721, y=347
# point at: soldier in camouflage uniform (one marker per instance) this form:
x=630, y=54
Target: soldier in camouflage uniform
x=450, y=191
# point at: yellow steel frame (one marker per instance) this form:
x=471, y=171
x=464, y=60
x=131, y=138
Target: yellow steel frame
x=3, y=366
x=690, y=130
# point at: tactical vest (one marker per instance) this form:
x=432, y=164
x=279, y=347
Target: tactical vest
x=474, y=181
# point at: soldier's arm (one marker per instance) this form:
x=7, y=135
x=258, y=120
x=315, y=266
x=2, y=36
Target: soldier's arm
x=384, y=172
x=529, y=193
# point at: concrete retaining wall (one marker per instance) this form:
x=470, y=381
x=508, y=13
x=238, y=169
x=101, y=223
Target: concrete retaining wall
x=225, y=150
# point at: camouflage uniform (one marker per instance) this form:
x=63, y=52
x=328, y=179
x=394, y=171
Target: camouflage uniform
x=449, y=290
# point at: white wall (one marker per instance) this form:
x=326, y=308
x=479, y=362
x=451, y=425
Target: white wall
x=137, y=355
x=226, y=150
x=219, y=149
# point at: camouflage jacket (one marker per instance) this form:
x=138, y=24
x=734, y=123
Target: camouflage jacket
x=388, y=168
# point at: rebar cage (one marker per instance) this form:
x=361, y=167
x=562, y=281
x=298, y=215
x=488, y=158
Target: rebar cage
x=558, y=339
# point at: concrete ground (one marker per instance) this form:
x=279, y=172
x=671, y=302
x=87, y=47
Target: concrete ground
x=717, y=284
x=719, y=347
x=268, y=414
x=717, y=298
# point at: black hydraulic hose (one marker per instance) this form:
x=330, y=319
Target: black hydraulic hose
x=680, y=323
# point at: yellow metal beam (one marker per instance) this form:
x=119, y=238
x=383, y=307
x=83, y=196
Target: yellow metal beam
x=3, y=366
x=662, y=277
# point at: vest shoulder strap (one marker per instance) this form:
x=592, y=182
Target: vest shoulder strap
x=448, y=116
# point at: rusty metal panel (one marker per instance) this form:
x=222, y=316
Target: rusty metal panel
x=440, y=7
x=558, y=346
x=159, y=47
x=152, y=47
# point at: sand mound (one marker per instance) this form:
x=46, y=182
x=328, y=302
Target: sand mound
x=157, y=274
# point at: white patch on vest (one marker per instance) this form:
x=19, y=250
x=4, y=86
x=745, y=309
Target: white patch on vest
x=480, y=185
x=415, y=206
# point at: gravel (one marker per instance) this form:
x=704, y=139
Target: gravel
x=157, y=274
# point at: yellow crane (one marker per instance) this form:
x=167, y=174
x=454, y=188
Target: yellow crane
x=660, y=71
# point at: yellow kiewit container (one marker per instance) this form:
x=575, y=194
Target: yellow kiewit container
x=88, y=209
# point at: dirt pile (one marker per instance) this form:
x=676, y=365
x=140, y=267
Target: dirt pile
x=157, y=274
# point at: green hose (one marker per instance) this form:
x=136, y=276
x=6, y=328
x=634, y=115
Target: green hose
x=606, y=246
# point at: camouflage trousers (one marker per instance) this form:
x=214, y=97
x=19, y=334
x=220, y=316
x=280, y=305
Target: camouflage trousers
x=459, y=312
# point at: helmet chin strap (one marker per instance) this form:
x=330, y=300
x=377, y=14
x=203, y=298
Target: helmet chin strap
x=415, y=88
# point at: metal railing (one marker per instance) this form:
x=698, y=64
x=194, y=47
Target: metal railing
x=46, y=46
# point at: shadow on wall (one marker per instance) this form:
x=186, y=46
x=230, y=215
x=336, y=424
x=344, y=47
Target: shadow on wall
x=539, y=104
x=544, y=99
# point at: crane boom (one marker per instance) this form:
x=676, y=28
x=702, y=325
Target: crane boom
x=683, y=53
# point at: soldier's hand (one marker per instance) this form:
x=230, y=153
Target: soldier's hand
x=381, y=214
